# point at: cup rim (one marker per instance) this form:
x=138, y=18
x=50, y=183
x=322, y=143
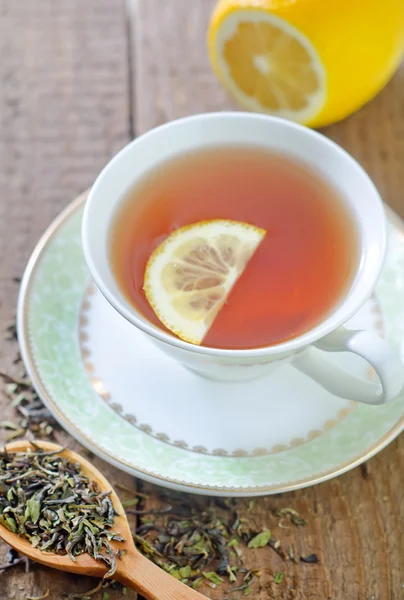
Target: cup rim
x=309, y=337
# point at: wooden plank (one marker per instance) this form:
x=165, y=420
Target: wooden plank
x=375, y=137
x=63, y=113
x=172, y=73
x=355, y=520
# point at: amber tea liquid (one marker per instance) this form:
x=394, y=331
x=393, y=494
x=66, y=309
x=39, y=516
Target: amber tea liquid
x=299, y=273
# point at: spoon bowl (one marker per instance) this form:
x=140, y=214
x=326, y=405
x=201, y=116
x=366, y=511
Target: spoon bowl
x=133, y=569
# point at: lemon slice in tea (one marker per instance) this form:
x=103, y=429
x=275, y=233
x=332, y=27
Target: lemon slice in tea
x=190, y=275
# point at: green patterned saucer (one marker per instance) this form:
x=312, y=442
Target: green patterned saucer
x=114, y=391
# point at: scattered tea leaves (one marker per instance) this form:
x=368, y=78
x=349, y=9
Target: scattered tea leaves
x=131, y=491
x=34, y=420
x=213, y=577
x=246, y=585
x=292, y=555
x=294, y=516
x=278, y=577
x=144, y=546
x=197, y=583
x=11, y=332
x=129, y=503
x=365, y=471
x=185, y=572
x=209, y=536
x=277, y=546
x=260, y=540
x=14, y=558
x=312, y=558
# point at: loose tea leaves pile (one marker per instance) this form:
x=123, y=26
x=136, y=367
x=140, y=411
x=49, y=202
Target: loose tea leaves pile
x=48, y=500
x=208, y=541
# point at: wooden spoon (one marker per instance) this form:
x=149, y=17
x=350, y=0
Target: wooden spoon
x=133, y=569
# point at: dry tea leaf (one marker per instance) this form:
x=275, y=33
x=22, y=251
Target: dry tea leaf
x=185, y=572
x=312, y=558
x=260, y=540
x=213, y=577
x=55, y=506
x=278, y=577
x=295, y=518
x=44, y=595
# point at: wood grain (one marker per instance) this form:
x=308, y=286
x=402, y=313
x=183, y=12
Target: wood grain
x=172, y=77
x=64, y=112
x=355, y=521
x=375, y=137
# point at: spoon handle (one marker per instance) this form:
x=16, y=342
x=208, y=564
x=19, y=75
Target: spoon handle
x=139, y=573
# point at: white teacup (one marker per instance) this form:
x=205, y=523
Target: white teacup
x=340, y=169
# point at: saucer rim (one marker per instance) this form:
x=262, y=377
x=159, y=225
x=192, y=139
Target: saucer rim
x=180, y=485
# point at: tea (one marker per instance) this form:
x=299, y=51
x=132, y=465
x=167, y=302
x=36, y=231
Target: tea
x=298, y=274
x=48, y=500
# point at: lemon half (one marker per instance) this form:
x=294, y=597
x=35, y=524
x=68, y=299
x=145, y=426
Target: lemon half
x=310, y=61
x=269, y=65
x=190, y=275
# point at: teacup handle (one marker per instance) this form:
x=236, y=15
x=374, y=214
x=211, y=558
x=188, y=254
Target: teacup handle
x=336, y=380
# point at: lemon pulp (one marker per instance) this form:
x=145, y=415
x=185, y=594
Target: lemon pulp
x=190, y=275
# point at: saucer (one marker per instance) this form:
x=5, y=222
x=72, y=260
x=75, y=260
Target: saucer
x=120, y=396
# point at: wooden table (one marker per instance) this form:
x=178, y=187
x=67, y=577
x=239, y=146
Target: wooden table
x=80, y=78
